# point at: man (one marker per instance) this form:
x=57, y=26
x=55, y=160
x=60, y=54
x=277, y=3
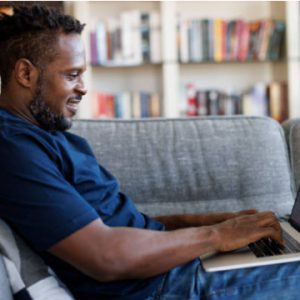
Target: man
x=69, y=209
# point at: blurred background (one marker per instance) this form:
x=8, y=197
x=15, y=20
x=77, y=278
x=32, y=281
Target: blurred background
x=188, y=58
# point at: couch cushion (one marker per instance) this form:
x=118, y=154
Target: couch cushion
x=195, y=164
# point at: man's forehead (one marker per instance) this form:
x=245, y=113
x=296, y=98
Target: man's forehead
x=72, y=40
x=69, y=47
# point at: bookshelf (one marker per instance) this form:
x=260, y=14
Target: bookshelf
x=168, y=77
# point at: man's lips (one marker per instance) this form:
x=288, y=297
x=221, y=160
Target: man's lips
x=73, y=105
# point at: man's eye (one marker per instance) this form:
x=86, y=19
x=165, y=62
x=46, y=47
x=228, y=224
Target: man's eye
x=72, y=76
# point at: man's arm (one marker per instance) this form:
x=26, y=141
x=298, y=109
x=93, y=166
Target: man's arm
x=108, y=254
x=194, y=220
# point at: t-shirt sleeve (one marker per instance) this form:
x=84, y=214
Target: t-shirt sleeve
x=35, y=198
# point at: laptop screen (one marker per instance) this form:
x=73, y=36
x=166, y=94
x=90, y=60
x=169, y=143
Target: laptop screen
x=295, y=215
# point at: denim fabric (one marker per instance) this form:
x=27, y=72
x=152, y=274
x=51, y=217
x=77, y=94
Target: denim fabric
x=191, y=282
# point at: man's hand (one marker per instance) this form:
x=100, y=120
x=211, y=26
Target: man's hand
x=215, y=218
x=245, y=229
x=194, y=220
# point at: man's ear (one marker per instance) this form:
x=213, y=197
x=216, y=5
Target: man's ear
x=26, y=73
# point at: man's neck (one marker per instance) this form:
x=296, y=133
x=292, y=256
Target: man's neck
x=7, y=102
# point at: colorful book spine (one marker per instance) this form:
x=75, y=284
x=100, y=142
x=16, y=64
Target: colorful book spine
x=93, y=47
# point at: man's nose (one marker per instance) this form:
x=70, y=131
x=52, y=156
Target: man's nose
x=80, y=87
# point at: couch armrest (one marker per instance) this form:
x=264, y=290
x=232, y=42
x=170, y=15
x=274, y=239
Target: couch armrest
x=5, y=290
x=292, y=134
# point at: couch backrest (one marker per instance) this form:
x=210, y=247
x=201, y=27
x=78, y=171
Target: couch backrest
x=195, y=164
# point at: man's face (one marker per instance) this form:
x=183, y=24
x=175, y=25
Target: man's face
x=60, y=86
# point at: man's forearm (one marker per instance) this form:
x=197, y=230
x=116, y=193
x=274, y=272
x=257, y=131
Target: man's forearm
x=116, y=253
x=194, y=220
x=144, y=253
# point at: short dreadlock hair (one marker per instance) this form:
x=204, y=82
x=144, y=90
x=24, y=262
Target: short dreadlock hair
x=31, y=33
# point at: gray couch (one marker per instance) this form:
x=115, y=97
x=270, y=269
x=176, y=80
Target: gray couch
x=194, y=165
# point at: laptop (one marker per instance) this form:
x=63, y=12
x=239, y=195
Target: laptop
x=263, y=252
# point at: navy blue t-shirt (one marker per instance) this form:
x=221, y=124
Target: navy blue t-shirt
x=51, y=186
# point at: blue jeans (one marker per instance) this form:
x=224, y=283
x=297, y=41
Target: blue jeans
x=191, y=282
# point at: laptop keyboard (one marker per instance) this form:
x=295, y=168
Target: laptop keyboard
x=268, y=247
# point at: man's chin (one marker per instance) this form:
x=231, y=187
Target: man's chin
x=57, y=124
x=64, y=123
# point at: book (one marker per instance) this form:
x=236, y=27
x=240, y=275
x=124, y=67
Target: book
x=192, y=109
x=183, y=41
x=196, y=54
x=145, y=36
x=126, y=37
x=136, y=105
x=230, y=39
x=217, y=37
x=213, y=102
x=229, y=104
x=155, y=37
x=244, y=41
x=155, y=109
x=95, y=105
x=126, y=102
x=236, y=100
x=276, y=40
x=259, y=99
x=93, y=47
x=101, y=43
x=211, y=40
x=190, y=40
x=110, y=106
x=278, y=104
x=224, y=39
x=145, y=104
x=236, y=39
x=102, y=106
x=247, y=105
x=205, y=39
x=254, y=29
x=202, y=105
x=266, y=31
x=222, y=103
x=136, y=37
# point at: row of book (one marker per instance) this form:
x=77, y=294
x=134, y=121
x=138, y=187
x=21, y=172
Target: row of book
x=126, y=105
x=235, y=40
x=132, y=38
x=260, y=100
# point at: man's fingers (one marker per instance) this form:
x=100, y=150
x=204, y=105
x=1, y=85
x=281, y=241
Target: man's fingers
x=261, y=225
x=268, y=219
x=269, y=232
x=268, y=226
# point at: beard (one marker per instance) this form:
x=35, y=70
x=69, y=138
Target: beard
x=43, y=114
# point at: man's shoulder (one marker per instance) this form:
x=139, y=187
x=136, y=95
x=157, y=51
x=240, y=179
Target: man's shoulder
x=20, y=139
x=18, y=134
